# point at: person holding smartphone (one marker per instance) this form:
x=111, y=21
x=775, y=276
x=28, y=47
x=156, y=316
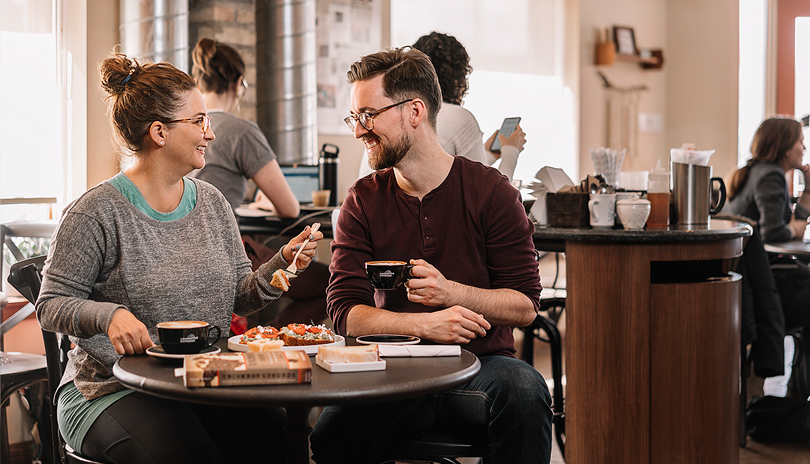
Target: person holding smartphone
x=459, y=133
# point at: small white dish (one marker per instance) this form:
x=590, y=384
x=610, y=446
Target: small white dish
x=352, y=367
x=157, y=352
x=234, y=345
x=388, y=339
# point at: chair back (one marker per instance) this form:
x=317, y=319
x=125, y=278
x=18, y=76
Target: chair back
x=25, y=276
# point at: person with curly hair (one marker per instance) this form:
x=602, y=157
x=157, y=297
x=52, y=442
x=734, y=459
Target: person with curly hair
x=459, y=133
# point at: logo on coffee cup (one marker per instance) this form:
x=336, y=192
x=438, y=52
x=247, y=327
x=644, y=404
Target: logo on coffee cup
x=190, y=338
x=387, y=274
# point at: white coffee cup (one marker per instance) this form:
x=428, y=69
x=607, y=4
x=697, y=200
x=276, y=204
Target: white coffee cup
x=602, y=207
x=633, y=212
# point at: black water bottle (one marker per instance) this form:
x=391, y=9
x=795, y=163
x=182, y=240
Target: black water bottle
x=329, y=170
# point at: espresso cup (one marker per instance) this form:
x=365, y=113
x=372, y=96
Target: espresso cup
x=186, y=337
x=388, y=275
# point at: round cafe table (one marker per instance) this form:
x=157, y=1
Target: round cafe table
x=402, y=378
x=652, y=342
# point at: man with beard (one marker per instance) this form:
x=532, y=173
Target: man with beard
x=475, y=276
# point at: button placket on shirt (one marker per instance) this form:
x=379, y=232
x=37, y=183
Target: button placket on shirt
x=428, y=239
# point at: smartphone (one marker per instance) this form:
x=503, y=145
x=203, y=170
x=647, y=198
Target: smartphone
x=509, y=125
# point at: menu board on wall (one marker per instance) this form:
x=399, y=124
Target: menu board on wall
x=346, y=30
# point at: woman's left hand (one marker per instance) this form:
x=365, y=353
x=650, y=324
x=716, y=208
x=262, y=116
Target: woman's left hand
x=306, y=257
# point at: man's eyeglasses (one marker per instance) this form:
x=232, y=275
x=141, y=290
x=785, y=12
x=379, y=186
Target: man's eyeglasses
x=203, y=121
x=367, y=119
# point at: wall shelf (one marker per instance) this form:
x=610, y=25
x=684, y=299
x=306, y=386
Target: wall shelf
x=606, y=55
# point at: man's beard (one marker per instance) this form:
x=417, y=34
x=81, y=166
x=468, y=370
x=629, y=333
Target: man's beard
x=388, y=157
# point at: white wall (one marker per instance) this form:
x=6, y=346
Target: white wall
x=702, y=79
x=647, y=18
x=695, y=92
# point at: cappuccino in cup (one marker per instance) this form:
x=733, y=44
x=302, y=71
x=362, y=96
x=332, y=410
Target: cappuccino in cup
x=388, y=275
x=186, y=337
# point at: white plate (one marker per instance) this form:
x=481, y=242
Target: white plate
x=234, y=345
x=157, y=351
x=388, y=339
x=352, y=367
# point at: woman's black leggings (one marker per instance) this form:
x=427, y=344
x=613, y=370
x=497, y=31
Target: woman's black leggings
x=141, y=429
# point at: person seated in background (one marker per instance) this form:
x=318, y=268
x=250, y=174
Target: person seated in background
x=475, y=276
x=759, y=191
x=459, y=133
x=241, y=152
x=147, y=246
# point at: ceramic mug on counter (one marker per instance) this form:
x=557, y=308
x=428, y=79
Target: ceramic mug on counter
x=602, y=210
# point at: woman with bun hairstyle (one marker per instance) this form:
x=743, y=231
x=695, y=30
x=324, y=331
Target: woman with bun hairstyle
x=241, y=152
x=146, y=246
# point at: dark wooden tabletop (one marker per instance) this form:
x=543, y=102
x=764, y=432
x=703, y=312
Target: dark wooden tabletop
x=402, y=378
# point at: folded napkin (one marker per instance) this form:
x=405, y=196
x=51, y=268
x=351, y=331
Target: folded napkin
x=418, y=351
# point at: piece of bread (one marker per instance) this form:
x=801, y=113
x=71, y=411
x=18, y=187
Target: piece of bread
x=265, y=344
x=280, y=280
x=290, y=340
x=349, y=354
x=305, y=334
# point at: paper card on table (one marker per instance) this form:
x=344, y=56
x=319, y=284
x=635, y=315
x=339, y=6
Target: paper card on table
x=418, y=351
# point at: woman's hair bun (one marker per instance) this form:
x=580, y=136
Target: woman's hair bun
x=117, y=71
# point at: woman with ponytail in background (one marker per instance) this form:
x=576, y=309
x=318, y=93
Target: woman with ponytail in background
x=241, y=152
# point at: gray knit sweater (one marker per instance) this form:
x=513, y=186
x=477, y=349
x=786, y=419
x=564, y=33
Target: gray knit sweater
x=107, y=254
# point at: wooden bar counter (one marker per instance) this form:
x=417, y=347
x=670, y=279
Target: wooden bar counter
x=652, y=343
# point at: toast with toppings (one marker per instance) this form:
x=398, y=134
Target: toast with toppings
x=305, y=334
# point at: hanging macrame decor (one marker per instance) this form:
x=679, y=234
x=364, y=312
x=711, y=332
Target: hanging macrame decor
x=622, y=116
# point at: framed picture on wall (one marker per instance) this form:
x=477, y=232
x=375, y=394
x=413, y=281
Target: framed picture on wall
x=625, y=40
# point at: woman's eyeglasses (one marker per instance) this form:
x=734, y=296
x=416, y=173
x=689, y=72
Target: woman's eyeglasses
x=367, y=119
x=203, y=121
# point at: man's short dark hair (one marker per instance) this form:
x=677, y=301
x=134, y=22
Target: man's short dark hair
x=407, y=73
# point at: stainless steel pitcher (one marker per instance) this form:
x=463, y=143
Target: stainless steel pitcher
x=692, y=193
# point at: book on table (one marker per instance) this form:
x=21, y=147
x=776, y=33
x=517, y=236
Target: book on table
x=250, y=368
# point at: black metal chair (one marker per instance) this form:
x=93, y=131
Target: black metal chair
x=440, y=446
x=18, y=371
x=25, y=276
x=544, y=328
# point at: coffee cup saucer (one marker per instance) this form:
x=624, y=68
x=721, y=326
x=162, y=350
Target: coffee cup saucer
x=157, y=352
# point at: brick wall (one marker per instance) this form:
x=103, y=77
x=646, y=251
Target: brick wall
x=232, y=22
